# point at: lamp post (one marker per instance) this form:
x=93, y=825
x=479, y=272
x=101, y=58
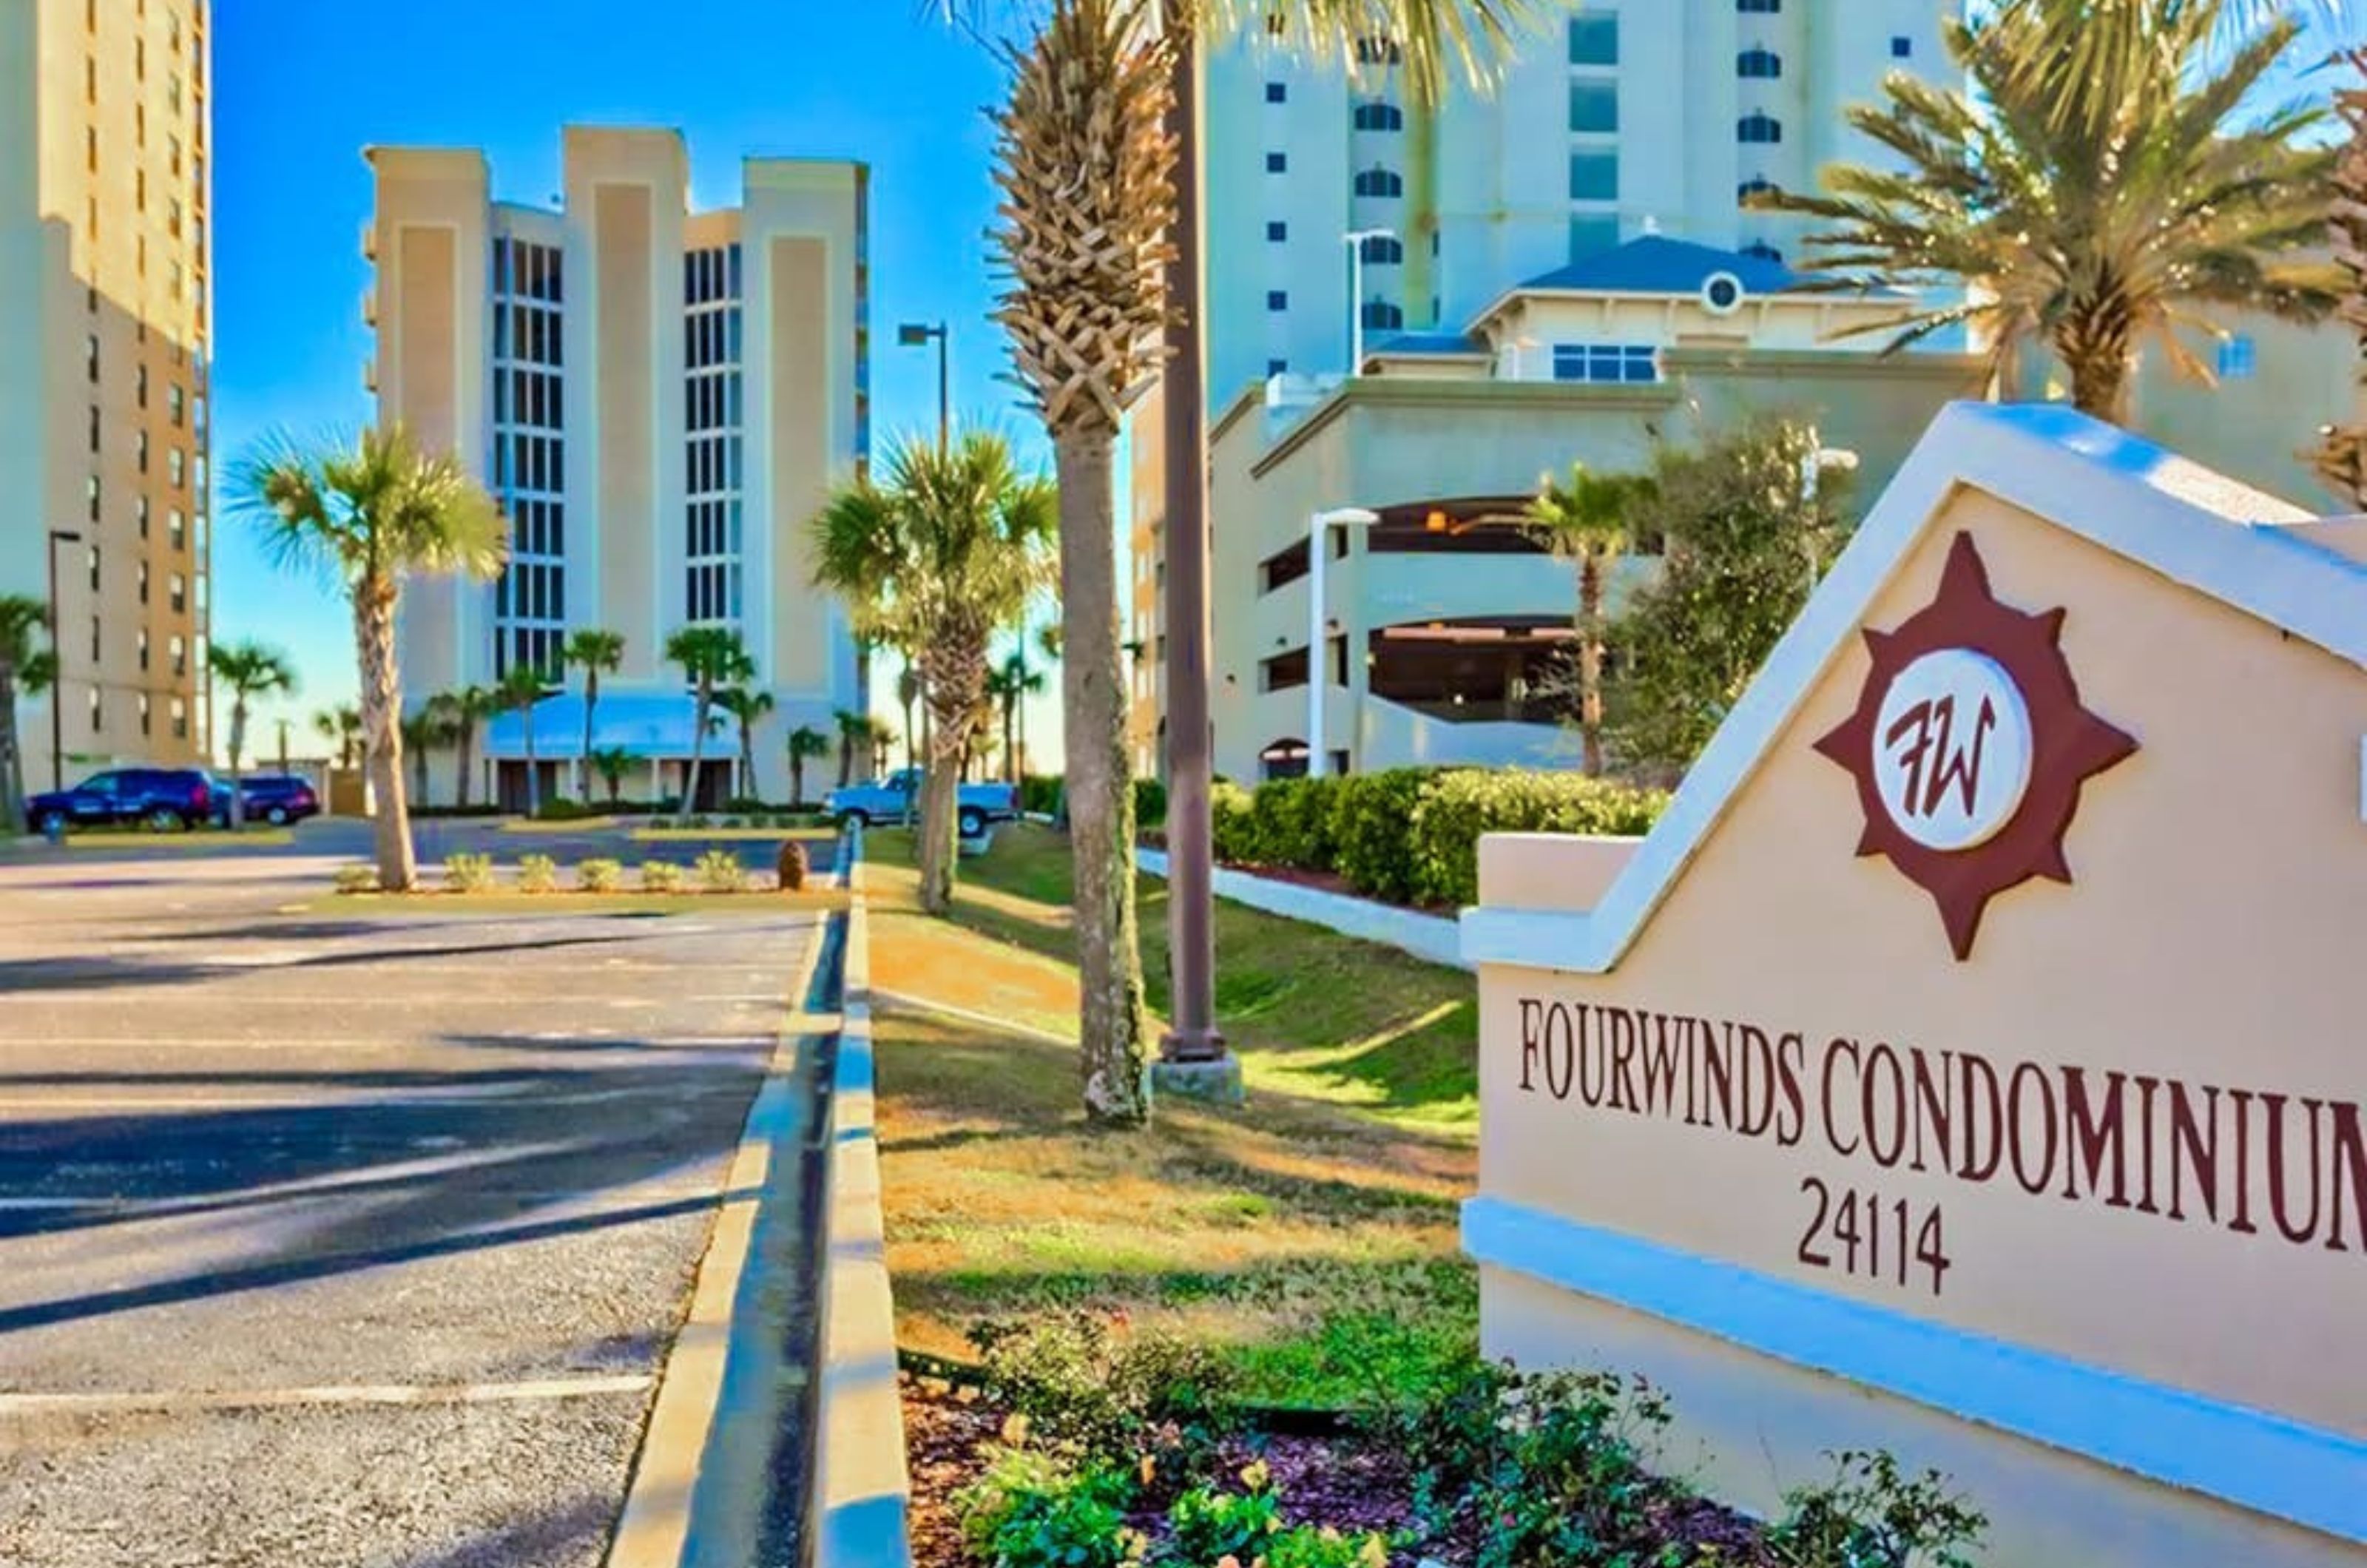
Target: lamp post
x=1354, y=239
x=58, y=658
x=1319, y=661
x=916, y=335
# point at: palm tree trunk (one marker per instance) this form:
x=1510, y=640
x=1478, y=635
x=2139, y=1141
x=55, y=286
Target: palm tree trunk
x=381, y=696
x=697, y=751
x=954, y=687
x=1111, y=1025
x=533, y=767
x=237, y=748
x=1010, y=741
x=12, y=758
x=797, y=780
x=591, y=701
x=465, y=761
x=1589, y=659
x=2094, y=347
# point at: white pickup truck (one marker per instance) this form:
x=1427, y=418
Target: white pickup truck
x=889, y=799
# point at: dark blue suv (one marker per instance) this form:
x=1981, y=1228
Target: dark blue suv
x=275, y=798
x=162, y=798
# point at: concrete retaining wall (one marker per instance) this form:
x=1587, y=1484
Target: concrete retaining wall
x=1431, y=937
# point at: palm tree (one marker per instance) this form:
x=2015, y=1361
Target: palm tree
x=1586, y=521
x=2342, y=447
x=806, y=744
x=711, y=656
x=342, y=727
x=2096, y=230
x=520, y=687
x=747, y=709
x=463, y=709
x=611, y=763
x=24, y=667
x=423, y=731
x=947, y=548
x=854, y=729
x=1011, y=684
x=249, y=671
x=596, y=653
x=882, y=736
x=366, y=518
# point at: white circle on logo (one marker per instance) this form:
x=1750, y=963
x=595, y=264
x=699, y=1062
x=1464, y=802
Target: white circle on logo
x=1951, y=750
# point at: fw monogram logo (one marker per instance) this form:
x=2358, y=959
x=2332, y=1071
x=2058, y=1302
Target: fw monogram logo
x=1970, y=746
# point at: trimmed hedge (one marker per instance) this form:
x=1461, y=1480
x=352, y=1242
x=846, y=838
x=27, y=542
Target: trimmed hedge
x=1411, y=835
x=1039, y=795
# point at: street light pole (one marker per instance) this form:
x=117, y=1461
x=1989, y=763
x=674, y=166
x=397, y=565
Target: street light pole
x=916, y=335
x=1355, y=240
x=57, y=662
x=1319, y=652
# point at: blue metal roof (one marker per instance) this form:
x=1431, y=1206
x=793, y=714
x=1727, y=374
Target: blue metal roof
x=1658, y=264
x=1428, y=342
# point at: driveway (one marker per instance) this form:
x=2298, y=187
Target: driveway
x=348, y=1241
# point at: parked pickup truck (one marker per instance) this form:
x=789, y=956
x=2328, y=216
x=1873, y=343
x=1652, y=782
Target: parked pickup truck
x=887, y=800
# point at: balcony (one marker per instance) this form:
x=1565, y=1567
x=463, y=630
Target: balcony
x=369, y=305
x=370, y=376
x=370, y=239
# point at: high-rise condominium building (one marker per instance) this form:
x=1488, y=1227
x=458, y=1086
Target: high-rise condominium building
x=104, y=324
x=661, y=399
x=1618, y=120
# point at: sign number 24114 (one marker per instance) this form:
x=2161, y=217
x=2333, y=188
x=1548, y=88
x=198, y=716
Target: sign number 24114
x=1858, y=1233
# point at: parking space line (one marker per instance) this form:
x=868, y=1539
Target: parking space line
x=173, y=1401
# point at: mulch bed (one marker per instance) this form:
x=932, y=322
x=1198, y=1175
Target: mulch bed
x=1333, y=1479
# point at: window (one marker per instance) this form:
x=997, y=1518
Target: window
x=176, y=529
x=1594, y=40
x=1277, y=367
x=180, y=594
x=1901, y=46
x=177, y=465
x=90, y=560
x=1381, y=250
x=175, y=405
x=1759, y=64
x=1379, y=116
x=1380, y=315
x=90, y=494
x=1760, y=130
x=90, y=357
x=2238, y=358
x=144, y=713
x=1380, y=182
x=1275, y=163
x=1594, y=104
x=1602, y=364
x=143, y=650
x=1592, y=233
x=97, y=716
x=179, y=652
x=1756, y=186
x=1760, y=7
x=180, y=720
x=94, y=428
x=1276, y=231
x=90, y=148
x=142, y=516
x=1276, y=92
x=1277, y=299
x=94, y=639
x=1594, y=175
x=1761, y=249
x=1378, y=52
x=143, y=582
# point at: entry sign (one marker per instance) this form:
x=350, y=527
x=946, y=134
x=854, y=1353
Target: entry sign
x=1970, y=746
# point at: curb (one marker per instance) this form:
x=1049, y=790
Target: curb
x=857, y=1510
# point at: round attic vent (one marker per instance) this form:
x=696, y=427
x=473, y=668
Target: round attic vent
x=1721, y=293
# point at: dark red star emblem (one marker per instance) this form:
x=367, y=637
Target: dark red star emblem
x=1970, y=746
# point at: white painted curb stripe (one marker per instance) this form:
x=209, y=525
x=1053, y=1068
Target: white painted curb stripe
x=1431, y=937
x=172, y=1400
x=2254, y=1460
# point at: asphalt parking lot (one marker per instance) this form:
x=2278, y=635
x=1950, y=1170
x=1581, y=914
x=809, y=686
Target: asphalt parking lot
x=332, y=1240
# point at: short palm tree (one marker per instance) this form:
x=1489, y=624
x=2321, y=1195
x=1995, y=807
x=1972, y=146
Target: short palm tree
x=367, y=517
x=596, y=653
x=2096, y=230
x=462, y=710
x=428, y=729
x=25, y=667
x=807, y=744
x=1011, y=684
x=249, y=671
x=853, y=731
x=612, y=763
x=747, y=709
x=1585, y=520
x=946, y=548
x=519, y=689
x=712, y=658
x=341, y=727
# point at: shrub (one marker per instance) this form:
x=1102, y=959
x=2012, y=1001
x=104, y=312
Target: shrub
x=1088, y=1390
x=599, y=875
x=719, y=872
x=729, y=822
x=1032, y=1510
x=467, y=873
x=1307, y=1546
x=792, y=866
x=1870, y=1516
x=565, y=810
x=1372, y=832
x=1206, y=1526
x=661, y=877
x=1149, y=803
x=1455, y=808
x=744, y=804
x=357, y=879
x=1040, y=794
x=537, y=874
x=1232, y=813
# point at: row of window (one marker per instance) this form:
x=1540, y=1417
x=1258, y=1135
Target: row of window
x=535, y=398
x=711, y=401
x=713, y=529
x=712, y=463
x=711, y=337
x=713, y=592
x=529, y=648
x=1605, y=364
x=532, y=590
x=710, y=275
x=528, y=333
x=180, y=710
x=530, y=462
x=177, y=585
x=538, y=527
x=526, y=271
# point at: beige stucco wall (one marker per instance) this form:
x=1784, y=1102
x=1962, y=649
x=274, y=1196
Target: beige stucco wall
x=2205, y=940
x=621, y=226
x=800, y=356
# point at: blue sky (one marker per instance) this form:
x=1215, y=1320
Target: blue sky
x=301, y=87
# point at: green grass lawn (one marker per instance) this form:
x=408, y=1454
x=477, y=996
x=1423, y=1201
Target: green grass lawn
x=1312, y=1234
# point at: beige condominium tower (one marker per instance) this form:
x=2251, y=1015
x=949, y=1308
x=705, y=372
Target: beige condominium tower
x=662, y=399
x=105, y=328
